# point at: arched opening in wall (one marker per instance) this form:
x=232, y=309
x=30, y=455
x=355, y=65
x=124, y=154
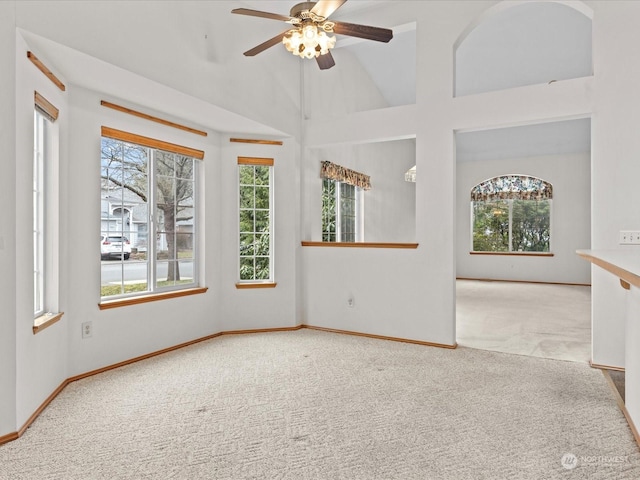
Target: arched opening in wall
x=524, y=44
x=523, y=207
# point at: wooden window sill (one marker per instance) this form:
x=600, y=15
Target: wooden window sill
x=154, y=297
x=516, y=254
x=46, y=320
x=242, y=285
x=307, y=243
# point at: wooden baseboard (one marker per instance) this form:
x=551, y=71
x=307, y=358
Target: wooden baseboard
x=44, y=405
x=622, y=406
x=15, y=435
x=9, y=437
x=262, y=330
x=382, y=337
x=605, y=367
x=524, y=281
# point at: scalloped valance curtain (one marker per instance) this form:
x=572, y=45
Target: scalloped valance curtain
x=342, y=174
x=512, y=187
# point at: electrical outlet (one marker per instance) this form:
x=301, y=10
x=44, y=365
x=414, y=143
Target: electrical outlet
x=629, y=237
x=87, y=329
x=350, y=302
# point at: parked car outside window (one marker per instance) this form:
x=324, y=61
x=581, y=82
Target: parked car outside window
x=114, y=246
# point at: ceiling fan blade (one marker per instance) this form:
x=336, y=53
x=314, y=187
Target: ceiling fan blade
x=325, y=61
x=263, y=46
x=363, y=31
x=258, y=13
x=324, y=8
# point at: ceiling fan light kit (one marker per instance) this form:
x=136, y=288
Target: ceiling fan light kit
x=308, y=41
x=308, y=38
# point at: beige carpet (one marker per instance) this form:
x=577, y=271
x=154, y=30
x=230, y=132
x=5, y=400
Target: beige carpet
x=316, y=405
x=540, y=320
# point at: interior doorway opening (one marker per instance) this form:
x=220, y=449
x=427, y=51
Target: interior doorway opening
x=513, y=300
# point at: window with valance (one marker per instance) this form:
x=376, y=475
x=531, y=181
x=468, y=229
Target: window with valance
x=511, y=213
x=342, y=203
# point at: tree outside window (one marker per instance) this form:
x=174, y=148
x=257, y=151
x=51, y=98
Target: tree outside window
x=148, y=218
x=340, y=206
x=255, y=219
x=511, y=213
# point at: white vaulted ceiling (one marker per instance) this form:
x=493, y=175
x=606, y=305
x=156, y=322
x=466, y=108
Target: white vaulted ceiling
x=204, y=42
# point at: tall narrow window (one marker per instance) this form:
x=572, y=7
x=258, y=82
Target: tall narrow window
x=45, y=114
x=511, y=213
x=39, y=235
x=341, y=206
x=148, y=235
x=255, y=177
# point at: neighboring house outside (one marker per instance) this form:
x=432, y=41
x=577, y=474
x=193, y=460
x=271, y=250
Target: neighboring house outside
x=124, y=212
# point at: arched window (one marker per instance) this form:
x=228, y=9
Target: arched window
x=511, y=213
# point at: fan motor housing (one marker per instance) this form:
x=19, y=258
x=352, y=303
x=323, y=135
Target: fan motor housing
x=302, y=10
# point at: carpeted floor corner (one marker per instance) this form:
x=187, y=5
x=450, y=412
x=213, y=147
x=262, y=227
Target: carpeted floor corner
x=316, y=405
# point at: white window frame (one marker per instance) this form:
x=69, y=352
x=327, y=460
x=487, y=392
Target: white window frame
x=41, y=156
x=358, y=211
x=45, y=212
x=255, y=162
x=151, y=146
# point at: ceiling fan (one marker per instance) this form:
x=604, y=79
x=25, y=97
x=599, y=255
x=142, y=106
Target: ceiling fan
x=308, y=37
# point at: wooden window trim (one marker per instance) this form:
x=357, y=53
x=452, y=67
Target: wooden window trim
x=260, y=142
x=46, y=107
x=151, y=142
x=247, y=285
x=255, y=161
x=48, y=73
x=153, y=297
x=516, y=254
x=258, y=161
x=146, y=116
x=45, y=321
x=306, y=243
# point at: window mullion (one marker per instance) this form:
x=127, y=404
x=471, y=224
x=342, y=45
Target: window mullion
x=153, y=221
x=511, y=225
x=338, y=195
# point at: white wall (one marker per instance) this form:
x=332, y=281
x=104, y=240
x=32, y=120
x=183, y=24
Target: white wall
x=8, y=422
x=508, y=49
x=41, y=360
x=570, y=222
x=615, y=167
x=351, y=87
x=242, y=309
